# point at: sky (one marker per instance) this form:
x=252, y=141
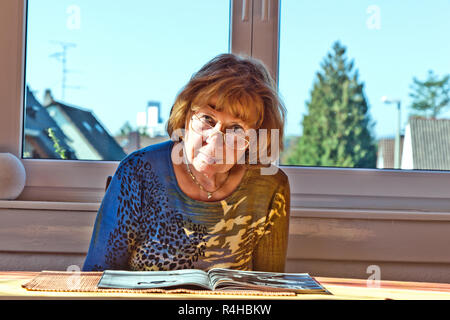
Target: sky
x=390, y=42
x=121, y=56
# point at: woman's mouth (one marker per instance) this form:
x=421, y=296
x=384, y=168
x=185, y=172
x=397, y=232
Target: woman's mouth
x=206, y=158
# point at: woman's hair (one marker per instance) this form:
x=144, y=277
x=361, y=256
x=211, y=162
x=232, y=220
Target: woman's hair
x=243, y=88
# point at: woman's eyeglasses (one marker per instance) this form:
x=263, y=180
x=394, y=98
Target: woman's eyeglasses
x=235, y=138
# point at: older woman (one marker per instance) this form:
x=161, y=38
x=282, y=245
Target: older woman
x=201, y=200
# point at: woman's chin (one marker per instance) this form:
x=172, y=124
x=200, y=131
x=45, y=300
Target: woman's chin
x=203, y=166
x=206, y=168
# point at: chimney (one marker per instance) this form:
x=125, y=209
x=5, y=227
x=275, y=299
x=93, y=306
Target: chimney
x=48, y=98
x=154, y=108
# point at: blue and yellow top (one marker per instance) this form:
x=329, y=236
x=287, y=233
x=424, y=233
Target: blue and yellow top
x=146, y=222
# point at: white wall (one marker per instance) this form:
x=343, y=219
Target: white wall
x=407, y=155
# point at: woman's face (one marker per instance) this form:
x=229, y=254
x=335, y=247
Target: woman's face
x=207, y=150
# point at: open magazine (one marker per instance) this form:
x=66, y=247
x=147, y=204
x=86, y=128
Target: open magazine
x=214, y=279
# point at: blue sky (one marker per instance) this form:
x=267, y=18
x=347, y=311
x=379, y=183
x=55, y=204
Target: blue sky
x=127, y=55
x=412, y=38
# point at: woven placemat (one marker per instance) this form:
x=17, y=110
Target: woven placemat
x=60, y=281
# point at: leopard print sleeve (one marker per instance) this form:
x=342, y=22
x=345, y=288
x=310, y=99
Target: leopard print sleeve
x=115, y=227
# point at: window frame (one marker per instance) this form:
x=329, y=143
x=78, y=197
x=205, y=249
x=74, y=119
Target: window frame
x=253, y=31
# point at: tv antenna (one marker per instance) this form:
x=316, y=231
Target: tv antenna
x=62, y=56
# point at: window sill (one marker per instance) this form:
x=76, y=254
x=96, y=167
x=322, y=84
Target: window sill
x=297, y=212
x=49, y=205
x=368, y=214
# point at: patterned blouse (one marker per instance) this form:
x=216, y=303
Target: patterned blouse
x=146, y=222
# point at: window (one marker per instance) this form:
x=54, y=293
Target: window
x=254, y=29
x=367, y=85
x=115, y=63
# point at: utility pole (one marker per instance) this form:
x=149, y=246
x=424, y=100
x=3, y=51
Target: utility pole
x=397, y=134
x=62, y=56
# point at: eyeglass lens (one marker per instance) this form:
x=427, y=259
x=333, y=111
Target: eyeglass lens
x=232, y=140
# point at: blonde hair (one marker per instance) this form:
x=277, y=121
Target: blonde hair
x=243, y=87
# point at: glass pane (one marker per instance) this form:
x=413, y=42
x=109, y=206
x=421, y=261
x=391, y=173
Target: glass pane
x=366, y=85
x=102, y=75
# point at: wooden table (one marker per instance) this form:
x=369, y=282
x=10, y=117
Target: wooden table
x=342, y=289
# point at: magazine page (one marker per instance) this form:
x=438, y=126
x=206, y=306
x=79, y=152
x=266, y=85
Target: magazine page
x=227, y=279
x=186, y=278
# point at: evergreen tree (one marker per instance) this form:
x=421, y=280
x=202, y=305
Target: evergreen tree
x=337, y=128
x=431, y=95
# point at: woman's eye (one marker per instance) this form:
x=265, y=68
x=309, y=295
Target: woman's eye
x=208, y=120
x=237, y=129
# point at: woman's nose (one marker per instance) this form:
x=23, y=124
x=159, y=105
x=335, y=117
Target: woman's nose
x=215, y=131
x=215, y=137
x=217, y=127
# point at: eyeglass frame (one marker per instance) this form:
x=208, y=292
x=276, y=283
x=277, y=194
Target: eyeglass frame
x=216, y=131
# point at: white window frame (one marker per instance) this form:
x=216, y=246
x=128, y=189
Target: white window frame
x=253, y=31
